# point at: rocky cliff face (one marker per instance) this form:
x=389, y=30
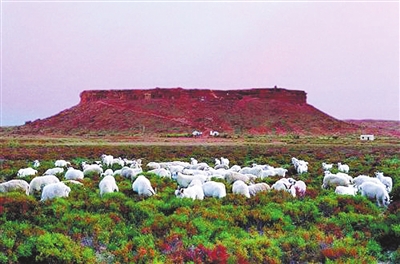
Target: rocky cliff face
x=177, y=110
x=177, y=94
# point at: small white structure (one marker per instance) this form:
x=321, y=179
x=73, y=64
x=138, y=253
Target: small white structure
x=197, y=133
x=367, y=137
x=214, y=133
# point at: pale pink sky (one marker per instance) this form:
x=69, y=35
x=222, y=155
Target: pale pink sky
x=344, y=55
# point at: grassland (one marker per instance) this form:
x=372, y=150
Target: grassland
x=268, y=228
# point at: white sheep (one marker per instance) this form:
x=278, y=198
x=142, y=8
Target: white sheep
x=193, y=161
x=235, y=168
x=225, y=161
x=184, y=180
x=256, y=171
x=130, y=173
x=163, y=173
x=118, y=161
x=13, y=185
x=73, y=182
x=153, y=165
x=26, y=172
x=365, y=178
x=61, y=163
x=194, y=192
x=386, y=180
x=91, y=168
x=74, y=174
x=285, y=185
x=214, y=189
x=301, y=188
x=258, y=187
x=36, y=164
x=346, y=190
x=280, y=172
x=240, y=187
x=375, y=191
x=231, y=177
x=343, y=167
x=333, y=180
x=143, y=186
x=327, y=167
x=54, y=171
x=107, y=172
x=301, y=166
x=39, y=182
x=54, y=190
x=108, y=185
x=107, y=160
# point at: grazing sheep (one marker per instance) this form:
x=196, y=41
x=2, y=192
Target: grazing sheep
x=13, y=185
x=143, y=186
x=346, y=190
x=225, y=161
x=184, y=180
x=54, y=171
x=153, y=165
x=280, y=172
x=119, y=161
x=73, y=182
x=163, y=173
x=301, y=166
x=108, y=185
x=61, y=163
x=36, y=164
x=386, y=180
x=240, y=187
x=364, y=178
x=107, y=160
x=194, y=192
x=221, y=166
x=217, y=162
x=256, y=171
x=91, y=168
x=26, y=172
x=343, y=167
x=214, y=189
x=54, y=190
x=130, y=173
x=39, y=182
x=286, y=185
x=300, y=188
x=193, y=161
x=231, y=177
x=235, y=168
x=333, y=180
x=375, y=191
x=326, y=167
x=108, y=172
x=258, y=187
x=74, y=174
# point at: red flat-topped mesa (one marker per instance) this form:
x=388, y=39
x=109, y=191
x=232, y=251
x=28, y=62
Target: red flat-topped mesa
x=161, y=111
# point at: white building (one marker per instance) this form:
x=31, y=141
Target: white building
x=367, y=137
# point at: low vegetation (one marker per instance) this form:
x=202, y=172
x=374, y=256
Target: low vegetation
x=271, y=227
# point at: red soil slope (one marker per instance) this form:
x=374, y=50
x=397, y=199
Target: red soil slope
x=167, y=111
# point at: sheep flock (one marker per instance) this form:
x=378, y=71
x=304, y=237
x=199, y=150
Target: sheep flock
x=197, y=180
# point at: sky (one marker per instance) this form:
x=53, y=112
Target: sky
x=344, y=55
